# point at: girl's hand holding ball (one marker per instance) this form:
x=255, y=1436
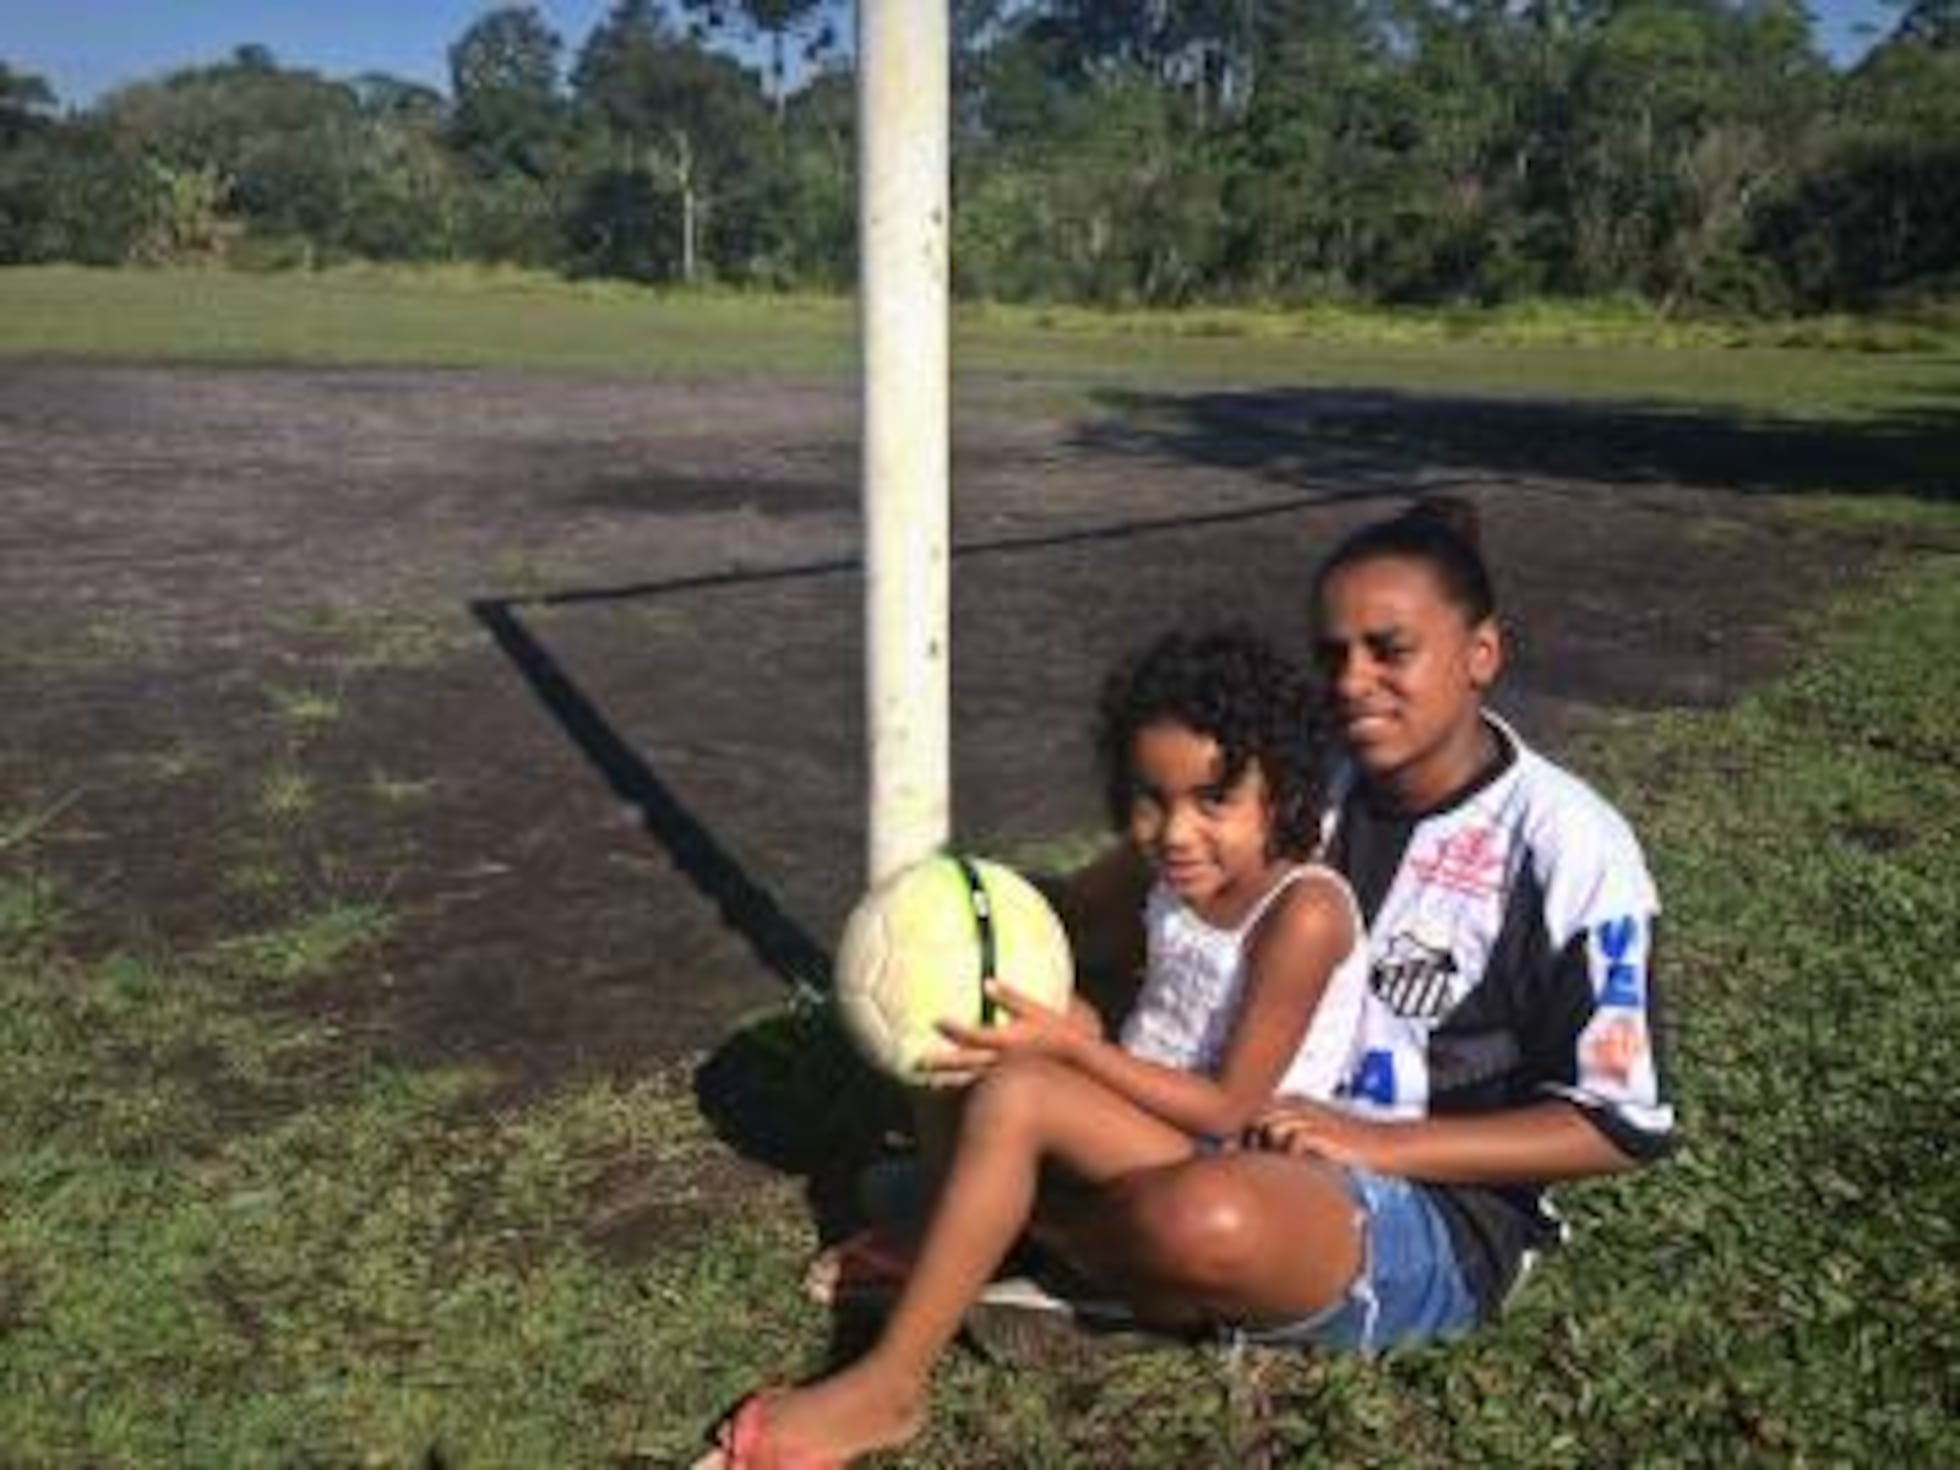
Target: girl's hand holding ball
x=1022, y=1024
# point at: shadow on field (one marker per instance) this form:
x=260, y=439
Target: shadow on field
x=779, y=942
x=1287, y=435
x=785, y=1090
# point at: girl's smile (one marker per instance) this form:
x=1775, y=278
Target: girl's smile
x=1208, y=838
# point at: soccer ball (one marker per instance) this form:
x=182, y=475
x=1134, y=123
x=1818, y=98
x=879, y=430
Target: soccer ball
x=917, y=947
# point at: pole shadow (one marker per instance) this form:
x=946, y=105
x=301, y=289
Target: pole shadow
x=782, y=945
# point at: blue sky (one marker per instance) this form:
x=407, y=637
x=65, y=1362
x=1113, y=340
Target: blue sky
x=85, y=47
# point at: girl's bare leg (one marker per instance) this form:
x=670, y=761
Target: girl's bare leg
x=1237, y=1237
x=1026, y=1113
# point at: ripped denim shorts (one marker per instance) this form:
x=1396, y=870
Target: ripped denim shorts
x=1409, y=1289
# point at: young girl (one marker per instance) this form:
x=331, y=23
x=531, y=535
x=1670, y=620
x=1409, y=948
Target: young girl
x=1213, y=760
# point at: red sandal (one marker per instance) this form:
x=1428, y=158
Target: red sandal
x=741, y=1442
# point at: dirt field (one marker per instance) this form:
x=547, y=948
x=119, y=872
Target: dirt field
x=565, y=673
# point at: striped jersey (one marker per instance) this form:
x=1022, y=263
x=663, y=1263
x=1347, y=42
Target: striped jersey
x=1511, y=946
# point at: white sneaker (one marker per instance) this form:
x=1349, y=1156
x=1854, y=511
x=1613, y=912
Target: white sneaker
x=1019, y=1320
x=1028, y=1294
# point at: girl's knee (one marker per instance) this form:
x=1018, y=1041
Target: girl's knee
x=1201, y=1226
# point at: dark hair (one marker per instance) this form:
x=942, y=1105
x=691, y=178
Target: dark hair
x=1232, y=685
x=1440, y=531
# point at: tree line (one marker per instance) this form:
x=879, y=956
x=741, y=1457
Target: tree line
x=1692, y=153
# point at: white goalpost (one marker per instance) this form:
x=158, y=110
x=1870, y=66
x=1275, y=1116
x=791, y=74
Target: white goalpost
x=904, y=60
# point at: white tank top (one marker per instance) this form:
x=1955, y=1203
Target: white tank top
x=1194, y=982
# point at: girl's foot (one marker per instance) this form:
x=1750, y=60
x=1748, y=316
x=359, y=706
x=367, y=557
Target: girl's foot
x=827, y=1424
x=746, y=1441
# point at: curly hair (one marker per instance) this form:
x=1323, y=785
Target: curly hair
x=1229, y=684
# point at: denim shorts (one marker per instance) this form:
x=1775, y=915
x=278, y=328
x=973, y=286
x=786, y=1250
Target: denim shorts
x=1409, y=1289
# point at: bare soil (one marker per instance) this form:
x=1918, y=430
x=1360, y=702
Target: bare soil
x=566, y=673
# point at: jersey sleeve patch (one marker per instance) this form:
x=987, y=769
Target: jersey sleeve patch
x=1616, y=1073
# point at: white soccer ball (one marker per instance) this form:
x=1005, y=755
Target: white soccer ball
x=915, y=950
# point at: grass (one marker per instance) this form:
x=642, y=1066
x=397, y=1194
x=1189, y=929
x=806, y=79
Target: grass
x=384, y=319
x=287, y=794
x=348, y=639
x=238, y=1232
x=93, y=643
x=302, y=710
x=480, y=319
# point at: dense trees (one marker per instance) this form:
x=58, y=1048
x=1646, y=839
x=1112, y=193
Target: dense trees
x=784, y=23
x=26, y=104
x=1691, y=152
x=674, y=136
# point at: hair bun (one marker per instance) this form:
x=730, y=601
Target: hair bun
x=1451, y=513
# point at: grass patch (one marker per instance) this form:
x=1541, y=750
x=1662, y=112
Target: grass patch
x=286, y=795
x=399, y=791
x=308, y=948
x=1849, y=369
x=103, y=642
x=31, y=912
x=236, y=1236
x=1599, y=323
x=350, y=640
x=1798, y=1261
x=237, y=1233
x=304, y=710
x=392, y=318
x=20, y=829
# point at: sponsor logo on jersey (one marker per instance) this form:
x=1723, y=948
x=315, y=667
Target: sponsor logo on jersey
x=1414, y=979
x=1373, y=1079
x=1615, y=1049
x=1470, y=861
x=1622, y=946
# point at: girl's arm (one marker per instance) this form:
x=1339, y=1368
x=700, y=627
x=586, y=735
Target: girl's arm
x=1294, y=951
x=1536, y=1144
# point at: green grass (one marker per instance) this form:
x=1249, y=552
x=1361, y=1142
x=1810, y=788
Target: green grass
x=236, y=1236
x=85, y=644
x=236, y=1232
x=348, y=639
x=286, y=795
x=1824, y=369
x=303, y=710
x=374, y=318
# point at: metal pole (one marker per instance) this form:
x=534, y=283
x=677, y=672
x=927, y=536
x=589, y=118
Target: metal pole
x=904, y=56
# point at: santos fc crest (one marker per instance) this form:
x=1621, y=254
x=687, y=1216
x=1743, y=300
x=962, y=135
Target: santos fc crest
x=1415, y=979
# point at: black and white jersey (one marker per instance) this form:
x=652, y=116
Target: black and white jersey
x=1511, y=938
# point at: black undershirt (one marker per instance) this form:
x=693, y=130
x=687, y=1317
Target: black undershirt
x=1373, y=835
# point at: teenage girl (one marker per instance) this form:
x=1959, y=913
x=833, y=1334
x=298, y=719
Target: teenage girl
x=1213, y=759
x=1508, y=1034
